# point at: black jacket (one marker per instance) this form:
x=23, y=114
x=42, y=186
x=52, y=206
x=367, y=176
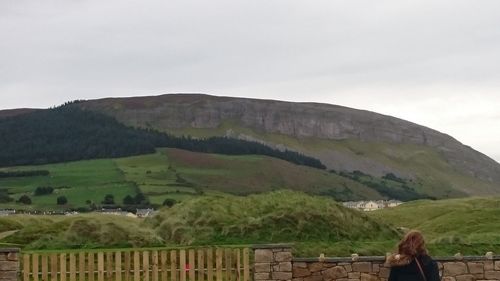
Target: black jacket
x=406, y=269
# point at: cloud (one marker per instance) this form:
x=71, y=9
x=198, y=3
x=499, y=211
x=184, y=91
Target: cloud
x=431, y=62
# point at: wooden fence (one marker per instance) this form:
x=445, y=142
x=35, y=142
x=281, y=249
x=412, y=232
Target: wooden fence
x=219, y=264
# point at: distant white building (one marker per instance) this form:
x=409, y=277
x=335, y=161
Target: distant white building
x=117, y=212
x=372, y=205
x=142, y=213
x=7, y=212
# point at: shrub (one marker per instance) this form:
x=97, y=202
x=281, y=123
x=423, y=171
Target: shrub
x=109, y=199
x=62, y=200
x=43, y=190
x=25, y=199
x=169, y=202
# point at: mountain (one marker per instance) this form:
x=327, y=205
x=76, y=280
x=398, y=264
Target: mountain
x=344, y=139
x=363, y=146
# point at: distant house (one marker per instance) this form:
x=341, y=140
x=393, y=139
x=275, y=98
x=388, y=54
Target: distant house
x=393, y=203
x=372, y=205
x=117, y=212
x=7, y=212
x=142, y=213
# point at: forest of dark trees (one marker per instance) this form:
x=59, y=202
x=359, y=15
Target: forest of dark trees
x=68, y=133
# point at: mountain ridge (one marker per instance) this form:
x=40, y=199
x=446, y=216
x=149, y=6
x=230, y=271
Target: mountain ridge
x=344, y=139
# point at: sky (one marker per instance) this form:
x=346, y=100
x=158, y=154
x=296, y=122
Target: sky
x=435, y=63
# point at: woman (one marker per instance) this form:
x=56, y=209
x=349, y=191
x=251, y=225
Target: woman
x=412, y=262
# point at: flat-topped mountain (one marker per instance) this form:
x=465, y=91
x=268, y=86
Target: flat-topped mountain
x=344, y=139
x=367, y=147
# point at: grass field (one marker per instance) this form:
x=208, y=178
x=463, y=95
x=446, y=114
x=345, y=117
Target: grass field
x=469, y=226
x=432, y=174
x=315, y=224
x=176, y=174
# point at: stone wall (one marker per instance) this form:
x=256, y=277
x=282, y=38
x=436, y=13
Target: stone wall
x=9, y=264
x=374, y=269
x=273, y=262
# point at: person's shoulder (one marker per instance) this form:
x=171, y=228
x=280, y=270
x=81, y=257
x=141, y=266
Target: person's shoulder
x=427, y=260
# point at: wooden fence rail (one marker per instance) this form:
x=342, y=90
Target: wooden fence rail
x=219, y=264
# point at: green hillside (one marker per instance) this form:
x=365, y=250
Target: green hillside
x=430, y=173
x=343, y=139
x=176, y=174
x=469, y=226
x=315, y=224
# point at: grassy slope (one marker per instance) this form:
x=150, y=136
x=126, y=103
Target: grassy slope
x=177, y=174
x=87, y=180
x=82, y=231
x=315, y=224
x=434, y=175
x=467, y=225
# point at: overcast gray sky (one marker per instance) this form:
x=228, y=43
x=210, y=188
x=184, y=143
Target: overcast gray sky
x=436, y=63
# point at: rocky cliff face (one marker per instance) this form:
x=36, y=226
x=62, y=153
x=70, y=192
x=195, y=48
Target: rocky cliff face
x=299, y=121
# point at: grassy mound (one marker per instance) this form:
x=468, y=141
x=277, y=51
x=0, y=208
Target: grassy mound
x=282, y=216
x=68, y=232
x=469, y=226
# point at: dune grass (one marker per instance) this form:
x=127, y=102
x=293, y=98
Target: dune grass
x=468, y=225
x=314, y=224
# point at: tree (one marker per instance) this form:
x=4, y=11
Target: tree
x=128, y=200
x=109, y=199
x=140, y=199
x=4, y=196
x=25, y=199
x=169, y=202
x=62, y=200
x=43, y=190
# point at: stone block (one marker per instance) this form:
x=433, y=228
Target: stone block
x=285, y=266
x=281, y=275
x=8, y=266
x=489, y=265
x=301, y=272
x=375, y=268
x=492, y=275
x=353, y=275
x=368, y=277
x=334, y=273
x=479, y=276
x=263, y=255
x=283, y=256
x=467, y=277
x=384, y=272
x=317, y=266
x=262, y=276
x=262, y=267
x=448, y=279
x=314, y=278
x=12, y=256
x=8, y=275
x=300, y=264
x=365, y=267
x=455, y=268
x=475, y=267
x=497, y=265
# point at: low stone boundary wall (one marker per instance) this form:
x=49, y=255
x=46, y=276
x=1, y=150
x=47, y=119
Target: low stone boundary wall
x=374, y=269
x=9, y=264
x=275, y=263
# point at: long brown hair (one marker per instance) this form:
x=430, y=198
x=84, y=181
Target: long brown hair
x=413, y=244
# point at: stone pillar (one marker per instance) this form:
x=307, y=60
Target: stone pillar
x=273, y=262
x=9, y=264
